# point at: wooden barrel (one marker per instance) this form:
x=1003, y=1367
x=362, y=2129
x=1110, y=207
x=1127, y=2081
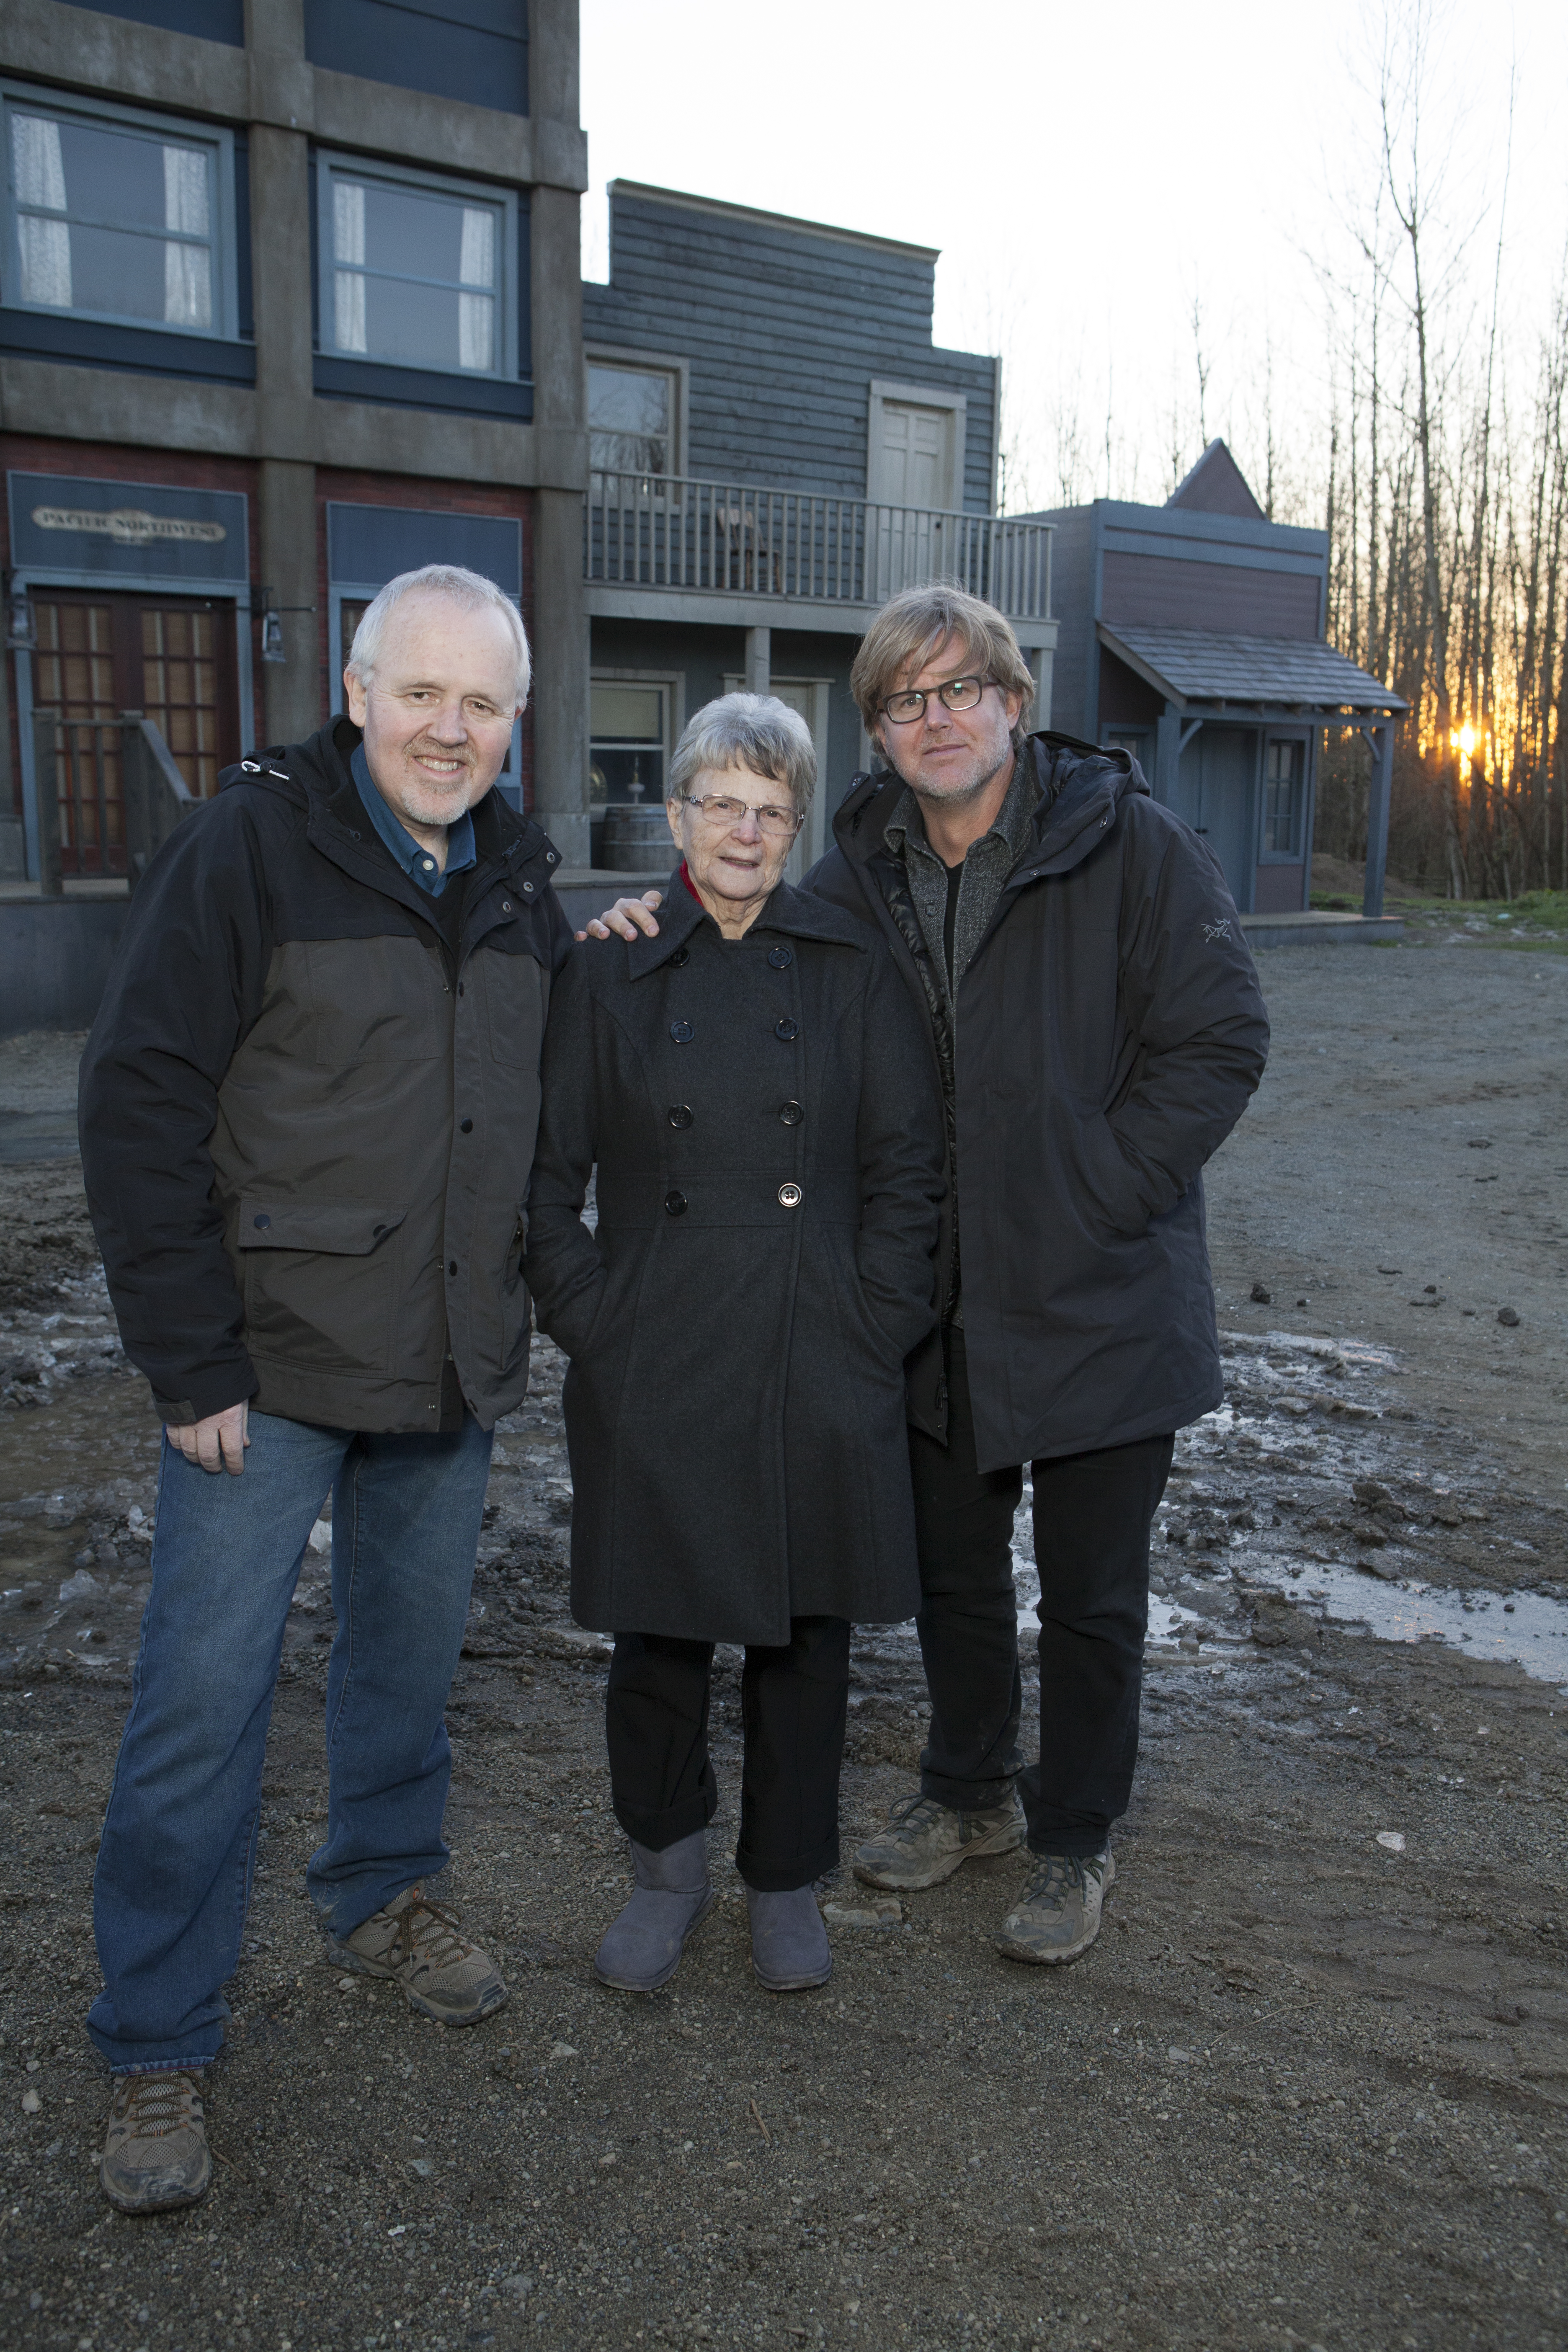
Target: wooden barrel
x=637, y=838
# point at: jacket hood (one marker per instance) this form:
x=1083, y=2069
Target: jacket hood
x=1080, y=788
x=315, y=776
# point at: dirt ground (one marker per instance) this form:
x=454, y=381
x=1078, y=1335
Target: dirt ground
x=1310, y=2088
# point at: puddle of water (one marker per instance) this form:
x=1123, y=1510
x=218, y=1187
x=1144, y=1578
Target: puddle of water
x=1534, y=1636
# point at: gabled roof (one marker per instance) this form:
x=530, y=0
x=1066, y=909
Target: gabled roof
x=1216, y=485
x=1193, y=669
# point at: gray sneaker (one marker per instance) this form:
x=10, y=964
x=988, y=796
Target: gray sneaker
x=155, y=2153
x=1058, y=1914
x=925, y=1841
x=443, y=1975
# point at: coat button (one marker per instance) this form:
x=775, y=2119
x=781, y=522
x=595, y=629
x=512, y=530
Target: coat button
x=675, y=1204
x=781, y=959
x=792, y=1114
x=679, y=1114
x=451, y=1266
x=261, y=1224
x=789, y=1196
x=682, y=1032
x=466, y=1126
x=786, y=1030
x=505, y=906
x=681, y=955
x=528, y=889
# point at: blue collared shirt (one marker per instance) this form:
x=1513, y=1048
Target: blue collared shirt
x=415, y=861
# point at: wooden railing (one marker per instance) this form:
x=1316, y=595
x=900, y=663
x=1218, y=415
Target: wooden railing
x=117, y=795
x=664, y=531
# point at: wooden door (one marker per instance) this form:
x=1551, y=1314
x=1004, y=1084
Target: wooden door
x=172, y=659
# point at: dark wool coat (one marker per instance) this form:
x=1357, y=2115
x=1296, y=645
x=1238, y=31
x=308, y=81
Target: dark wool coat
x=307, y=1119
x=767, y=1130
x=1108, y=1031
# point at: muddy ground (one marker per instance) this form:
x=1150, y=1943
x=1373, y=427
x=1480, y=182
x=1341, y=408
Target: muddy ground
x=1310, y=2088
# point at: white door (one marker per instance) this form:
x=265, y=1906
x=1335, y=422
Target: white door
x=911, y=477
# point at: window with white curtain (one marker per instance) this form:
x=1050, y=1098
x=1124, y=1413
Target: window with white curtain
x=116, y=215
x=414, y=270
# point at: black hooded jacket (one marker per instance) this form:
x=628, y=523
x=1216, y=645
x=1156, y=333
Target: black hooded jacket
x=1109, y=1029
x=307, y=1116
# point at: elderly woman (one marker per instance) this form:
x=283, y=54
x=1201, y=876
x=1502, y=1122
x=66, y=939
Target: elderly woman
x=761, y=1105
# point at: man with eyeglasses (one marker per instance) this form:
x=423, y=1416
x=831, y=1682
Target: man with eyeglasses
x=1097, y=1028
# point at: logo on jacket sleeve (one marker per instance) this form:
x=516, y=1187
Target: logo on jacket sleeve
x=1220, y=931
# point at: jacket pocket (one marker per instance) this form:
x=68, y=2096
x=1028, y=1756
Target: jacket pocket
x=321, y=1280
x=516, y=992
x=1111, y=1190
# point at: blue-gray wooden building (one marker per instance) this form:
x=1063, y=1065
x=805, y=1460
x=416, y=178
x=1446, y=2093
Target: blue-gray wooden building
x=1193, y=634
x=776, y=445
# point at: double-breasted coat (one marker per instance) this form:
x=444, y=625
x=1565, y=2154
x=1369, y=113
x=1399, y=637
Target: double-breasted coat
x=766, y=1125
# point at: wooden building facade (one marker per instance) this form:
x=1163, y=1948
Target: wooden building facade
x=1193, y=635
x=775, y=447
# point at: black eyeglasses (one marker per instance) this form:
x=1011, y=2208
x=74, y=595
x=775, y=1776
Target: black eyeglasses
x=954, y=694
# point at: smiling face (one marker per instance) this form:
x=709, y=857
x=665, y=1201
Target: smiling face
x=734, y=863
x=439, y=708
x=950, y=756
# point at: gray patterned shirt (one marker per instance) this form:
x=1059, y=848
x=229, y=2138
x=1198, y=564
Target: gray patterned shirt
x=984, y=873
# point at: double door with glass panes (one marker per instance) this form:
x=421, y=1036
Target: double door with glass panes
x=171, y=658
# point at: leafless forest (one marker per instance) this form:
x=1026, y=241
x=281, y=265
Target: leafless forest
x=1433, y=453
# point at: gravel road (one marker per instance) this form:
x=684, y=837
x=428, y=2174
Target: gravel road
x=1310, y=2088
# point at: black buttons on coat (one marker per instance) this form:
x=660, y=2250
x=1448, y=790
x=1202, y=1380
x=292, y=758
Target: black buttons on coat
x=675, y=1204
x=679, y=1114
x=262, y=1223
x=789, y=1196
x=452, y=1265
x=786, y=1030
x=681, y=955
x=682, y=1032
x=781, y=959
x=466, y=1126
x=792, y=1114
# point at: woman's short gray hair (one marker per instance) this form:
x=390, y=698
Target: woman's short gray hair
x=747, y=730
x=470, y=590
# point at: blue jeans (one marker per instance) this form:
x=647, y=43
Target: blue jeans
x=173, y=1881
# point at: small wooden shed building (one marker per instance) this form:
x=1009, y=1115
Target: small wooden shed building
x=1193, y=634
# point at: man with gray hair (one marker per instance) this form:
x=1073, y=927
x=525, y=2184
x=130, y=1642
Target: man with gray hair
x=308, y=1113
x=1097, y=1029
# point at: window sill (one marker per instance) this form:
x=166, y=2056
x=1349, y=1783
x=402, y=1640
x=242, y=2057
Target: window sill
x=137, y=351
x=399, y=387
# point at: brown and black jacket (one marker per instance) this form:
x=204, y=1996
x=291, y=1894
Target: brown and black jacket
x=307, y=1118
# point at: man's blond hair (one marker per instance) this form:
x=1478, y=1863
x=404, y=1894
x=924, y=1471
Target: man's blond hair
x=912, y=627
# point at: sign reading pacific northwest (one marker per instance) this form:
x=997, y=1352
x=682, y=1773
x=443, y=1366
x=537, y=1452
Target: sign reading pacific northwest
x=128, y=526
x=71, y=524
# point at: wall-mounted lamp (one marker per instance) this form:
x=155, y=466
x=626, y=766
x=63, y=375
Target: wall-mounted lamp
x=272, y=646
x=21, y=622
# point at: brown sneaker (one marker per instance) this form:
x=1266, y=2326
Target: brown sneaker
x=1058, y=1914
x=925, y=1841
x=442, y=1974
x=155, y=2153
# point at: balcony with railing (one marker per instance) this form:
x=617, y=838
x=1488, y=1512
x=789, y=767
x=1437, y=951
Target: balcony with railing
x=661, y=534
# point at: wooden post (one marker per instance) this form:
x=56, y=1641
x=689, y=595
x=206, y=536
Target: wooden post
x=47, y=794
x=759, y=660
x=1381, y=740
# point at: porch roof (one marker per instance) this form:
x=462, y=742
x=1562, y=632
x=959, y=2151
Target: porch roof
x=1197, y=671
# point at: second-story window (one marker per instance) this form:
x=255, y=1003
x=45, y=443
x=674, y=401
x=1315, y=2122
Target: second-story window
x=415, y=271
x=631, y=419
x=116, y=215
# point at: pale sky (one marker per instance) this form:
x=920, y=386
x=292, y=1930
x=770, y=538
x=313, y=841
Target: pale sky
x=1090, y=172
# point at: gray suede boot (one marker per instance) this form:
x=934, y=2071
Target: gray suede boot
x=641, y=1948
x=789, y=1943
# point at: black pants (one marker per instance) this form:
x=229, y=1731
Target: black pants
x=1092, y=1515
x=793, y=1706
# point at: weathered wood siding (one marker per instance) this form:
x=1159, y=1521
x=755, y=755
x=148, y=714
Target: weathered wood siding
x=783, y=329
x=1177, y=592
